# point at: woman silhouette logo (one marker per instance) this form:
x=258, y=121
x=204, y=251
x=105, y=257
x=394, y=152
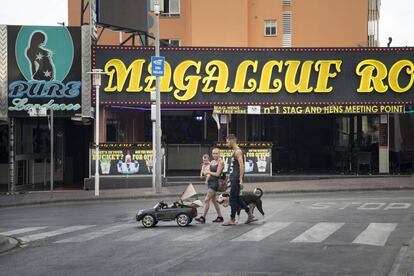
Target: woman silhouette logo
x=41, y=62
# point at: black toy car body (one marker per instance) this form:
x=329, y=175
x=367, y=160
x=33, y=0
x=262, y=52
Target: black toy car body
x=183, y=214
x=183, y=211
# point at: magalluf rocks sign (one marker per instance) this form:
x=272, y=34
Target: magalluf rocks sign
x=211, y=76
x=44, y=69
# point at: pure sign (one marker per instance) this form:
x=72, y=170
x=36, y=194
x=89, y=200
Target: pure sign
x=44, y=69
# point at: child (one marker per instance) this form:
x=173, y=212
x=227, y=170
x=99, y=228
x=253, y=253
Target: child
x=205, y=166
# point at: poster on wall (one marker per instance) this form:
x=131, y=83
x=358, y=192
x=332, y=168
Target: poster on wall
x=123, y=159
x=257, y=157
x=44, y=69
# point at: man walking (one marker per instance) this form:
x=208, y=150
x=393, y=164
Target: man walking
x=236, y=172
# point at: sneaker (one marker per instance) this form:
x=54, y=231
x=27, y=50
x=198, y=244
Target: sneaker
x=230, y=222
x=250, y=218
x=219, y=220
x=201, y=220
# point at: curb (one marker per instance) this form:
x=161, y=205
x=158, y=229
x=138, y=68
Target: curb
x=7, y=243
x=404, y=262
x=90, y=199
x=169, y=195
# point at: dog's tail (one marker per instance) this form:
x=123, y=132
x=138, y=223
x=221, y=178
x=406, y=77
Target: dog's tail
x=258, y=192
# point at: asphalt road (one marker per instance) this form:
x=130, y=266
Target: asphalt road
x=358, y=233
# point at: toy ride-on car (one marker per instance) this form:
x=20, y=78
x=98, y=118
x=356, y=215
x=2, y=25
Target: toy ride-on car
x=183, y=212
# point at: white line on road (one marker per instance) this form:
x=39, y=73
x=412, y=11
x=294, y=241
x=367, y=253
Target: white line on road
x=263, y=231
x=318, y=232
x=49, y=234
x=22, y=230
x=96, y=234
x=142, y=235
x=376, y=234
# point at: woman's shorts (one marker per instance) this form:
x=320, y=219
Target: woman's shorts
x=211, y=190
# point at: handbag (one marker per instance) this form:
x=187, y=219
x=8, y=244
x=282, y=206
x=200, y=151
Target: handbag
x=222, y=183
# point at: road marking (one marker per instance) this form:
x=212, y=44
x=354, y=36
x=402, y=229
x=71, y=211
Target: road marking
x=318, y=232
x=263, y=231
x=142, y=234
x=22, y=230
x=96, y=234
x=382, y=206
x=202, y=234
x=372, y=206
x=49, y=234
x=376, y=234
x=322, y=205
x=395, y=206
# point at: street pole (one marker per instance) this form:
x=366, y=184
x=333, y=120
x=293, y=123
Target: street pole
x=97, y=83
x=51, y=150
x=11, y=155
x=157, y=140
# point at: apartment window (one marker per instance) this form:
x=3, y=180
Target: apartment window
x=175, y=43
x=287, y=2
x=270, y=28
x=170, y=42
x=170, y=7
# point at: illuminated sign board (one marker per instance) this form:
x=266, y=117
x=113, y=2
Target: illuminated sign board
x=44, y=69
x=254, y=76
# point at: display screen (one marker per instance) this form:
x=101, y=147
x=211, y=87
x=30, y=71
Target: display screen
x=122, y=14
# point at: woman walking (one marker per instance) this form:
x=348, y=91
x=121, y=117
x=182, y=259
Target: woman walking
x=216, y=168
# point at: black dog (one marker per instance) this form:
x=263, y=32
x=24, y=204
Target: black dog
x=251, y=199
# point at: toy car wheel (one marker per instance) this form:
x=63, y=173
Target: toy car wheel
x=183, y=220
x=148, y=221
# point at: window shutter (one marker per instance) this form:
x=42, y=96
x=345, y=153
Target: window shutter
x=287, y=29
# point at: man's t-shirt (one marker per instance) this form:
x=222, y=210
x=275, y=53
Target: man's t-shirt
x=234, y=167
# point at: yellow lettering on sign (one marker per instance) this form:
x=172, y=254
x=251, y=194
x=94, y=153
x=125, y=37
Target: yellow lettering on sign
x=324, y=69
x=267, y=71
x=241, y=75
x=117, y=66
x=191, y=85
x=292, y=71
x=221, y=78
x=395, y=73
x=369, y=82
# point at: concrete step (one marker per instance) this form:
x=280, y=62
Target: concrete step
x=183, y=183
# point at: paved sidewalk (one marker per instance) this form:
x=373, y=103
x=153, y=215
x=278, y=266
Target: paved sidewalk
x=322, y=185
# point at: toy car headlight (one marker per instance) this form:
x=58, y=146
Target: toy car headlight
x=140, y=212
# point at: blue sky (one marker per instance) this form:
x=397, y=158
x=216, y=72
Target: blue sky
x=397, y=17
